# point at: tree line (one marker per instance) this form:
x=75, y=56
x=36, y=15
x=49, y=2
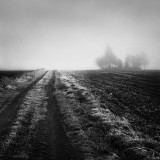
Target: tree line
x=132, y=62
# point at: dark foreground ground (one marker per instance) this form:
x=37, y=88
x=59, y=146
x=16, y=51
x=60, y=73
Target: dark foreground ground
x=80, y=115
x=30, y=125
x=134, y=95
x=118, y=112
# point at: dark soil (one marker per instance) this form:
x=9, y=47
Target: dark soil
x=133, y=95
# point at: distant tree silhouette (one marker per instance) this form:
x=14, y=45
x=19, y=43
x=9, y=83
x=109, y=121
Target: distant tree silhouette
x=138, y=61
x=132, y=62
x=144, y=60
x=109, y=60
x=101, y=63
x=119, y=64
x=128, y=61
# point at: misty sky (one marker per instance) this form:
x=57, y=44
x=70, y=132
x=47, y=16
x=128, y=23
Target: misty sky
x=70, y=34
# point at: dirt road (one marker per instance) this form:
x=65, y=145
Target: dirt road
x=30, y=126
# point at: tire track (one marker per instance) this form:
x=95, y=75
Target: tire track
x=18, y=95
x=18, y=86
x=50, y=140
x=36, y=131
x=13, y=113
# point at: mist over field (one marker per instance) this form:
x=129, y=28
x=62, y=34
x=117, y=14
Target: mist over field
x=80, y=79
x=71, y=34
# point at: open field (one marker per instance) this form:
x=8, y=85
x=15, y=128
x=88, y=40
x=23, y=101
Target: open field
x=133, y=95
x=80, y=115
x=117, y=112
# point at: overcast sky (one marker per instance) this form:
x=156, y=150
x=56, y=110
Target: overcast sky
x=70, y=34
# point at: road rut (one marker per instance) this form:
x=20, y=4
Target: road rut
x=32, y=129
